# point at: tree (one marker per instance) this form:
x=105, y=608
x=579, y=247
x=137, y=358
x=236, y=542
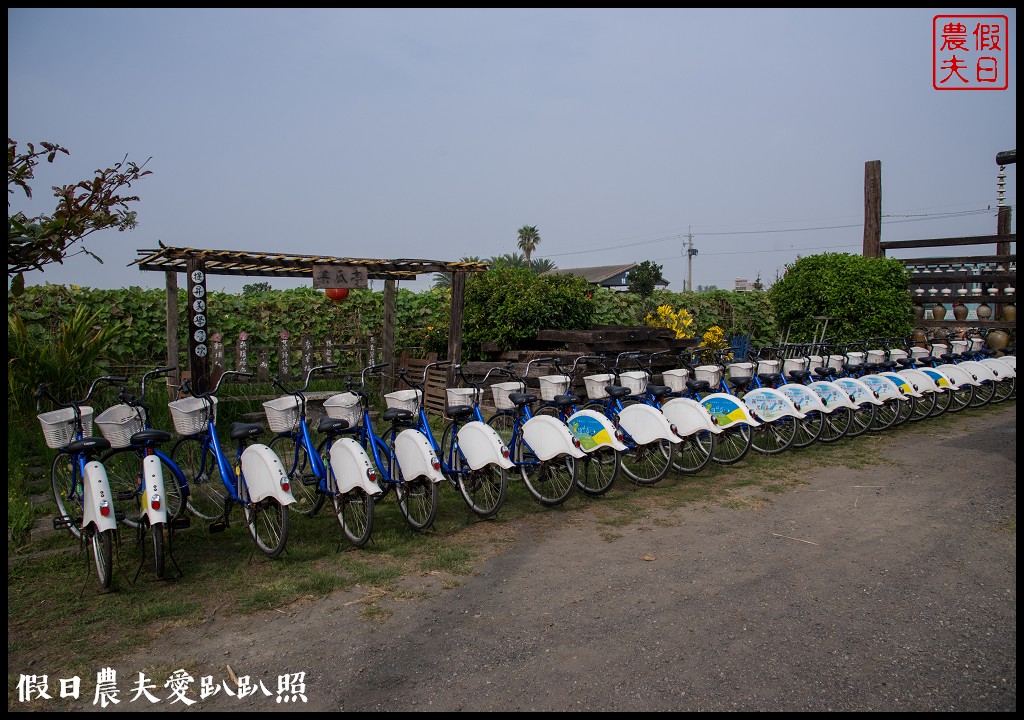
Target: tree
x=444, y=279
x=643, y=278
x=256, y=287
x=529, y=239
x=82, y=209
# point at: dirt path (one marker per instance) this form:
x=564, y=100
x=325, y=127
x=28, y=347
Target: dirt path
x=885, y=588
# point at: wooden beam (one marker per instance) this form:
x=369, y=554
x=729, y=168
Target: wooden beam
x=949, y=242
x=455, y=320
x=171, y=305
x=388, y=339
x=872, y=208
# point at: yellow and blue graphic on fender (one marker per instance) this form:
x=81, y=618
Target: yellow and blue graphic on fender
x=940, y=379
x=724, y=411
x=589, y=431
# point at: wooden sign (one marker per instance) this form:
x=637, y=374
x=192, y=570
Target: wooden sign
x=340, y=276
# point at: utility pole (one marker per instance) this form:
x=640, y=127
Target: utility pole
x=691, y=251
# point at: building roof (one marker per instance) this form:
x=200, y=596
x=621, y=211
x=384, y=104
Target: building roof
x=593, y=274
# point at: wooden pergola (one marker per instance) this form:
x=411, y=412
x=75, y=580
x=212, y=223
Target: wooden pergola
x=322, y=271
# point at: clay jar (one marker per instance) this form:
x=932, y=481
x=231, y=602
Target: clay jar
x=1010, y=312
x=938, y=312
x=984, y=311
x=960, y=311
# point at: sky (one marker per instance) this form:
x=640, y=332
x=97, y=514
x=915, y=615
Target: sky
x=622, y=135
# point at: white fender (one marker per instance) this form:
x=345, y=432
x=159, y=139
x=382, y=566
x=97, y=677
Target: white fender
x=905, y=385
x=942, y=381
x=726, y=410
x=95, y=496
x=482, y=446
x=549, y=438
x=1002, y=368
x=646, y=424
x=265, y=475
x=980, y=370
x=961, y=376
x=805, y=399
x=1010, y=360
x=860, y=392
x=689, y=417
x=769, y=404
x=594, y=431
x=921, y=380
x=832, y=395
x=351, y=467
x=416, y=457
x=154, y=500
x=884, y=388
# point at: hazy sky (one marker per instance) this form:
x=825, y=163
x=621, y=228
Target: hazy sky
x=437, y=133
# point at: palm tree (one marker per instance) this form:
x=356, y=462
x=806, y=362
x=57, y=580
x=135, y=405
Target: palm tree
x=529, y=239
x=444, y=279
x=542, y=265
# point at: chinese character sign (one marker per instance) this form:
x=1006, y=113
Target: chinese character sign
x=970, y=52
x=340, y=276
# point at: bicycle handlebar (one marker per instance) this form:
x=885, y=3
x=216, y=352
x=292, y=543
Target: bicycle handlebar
x=309, y=374
x=44, y=391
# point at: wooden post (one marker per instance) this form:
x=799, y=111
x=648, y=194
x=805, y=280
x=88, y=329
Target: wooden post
x=242, y=354
x=307, y=356
x=1003, y=248
x=198, y=325
x=171, y=305
x=217, y=354
x=455, y=322
x=284, y=368
x=388, y=339
x=263, y=364
x=872, y=208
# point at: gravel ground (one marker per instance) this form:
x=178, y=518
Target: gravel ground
x=884, y=588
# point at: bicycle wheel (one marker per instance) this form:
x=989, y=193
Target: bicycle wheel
x=906, y=409
x=835, y=425
x=305, y=485
x=124, y=472
x=1004, y=389
x=159, y=561
x=647, y=464
x=942, y=402
x=863, y=418
x=599, y=470
x=206, y=488
x=809, y=429
x=103, y=555
x=267, y=520
x=886, y=415
x=355, y=510
x=550, y=482
x=923, y=407
x=68, y=499
x=417, y=501
x=695, y=452
x=962, y=398
x=983, y=394
x=483, y=490
x=771, y=438
x=733, y=444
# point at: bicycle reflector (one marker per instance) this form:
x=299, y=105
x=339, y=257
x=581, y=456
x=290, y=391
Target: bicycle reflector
x=285, y=485
x=674, y=429
x=576, y=442
x=154, y=502
x=504, y=452
x=105, y=509
x=371, y=474
x=435, y=463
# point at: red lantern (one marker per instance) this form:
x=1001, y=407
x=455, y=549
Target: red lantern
x=337, y=294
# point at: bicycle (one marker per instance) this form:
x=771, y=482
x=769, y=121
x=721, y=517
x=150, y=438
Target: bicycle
x=142, y=475
x=599, y=438
x=78, y=478
x=253, y=477
x=542, y=448
x=473, y=457
x=405, y=459
x=338, y=467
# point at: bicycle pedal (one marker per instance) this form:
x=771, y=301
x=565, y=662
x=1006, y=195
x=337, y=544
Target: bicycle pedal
x=218, y=526
x=120, y=516
x=310, y=481
x=62, y=522
x=182, y=523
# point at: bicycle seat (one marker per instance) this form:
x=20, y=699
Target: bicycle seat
x=658, y=391
x=518, y=399
x=240, y=430
x=150, y=436
x=698, y=385
x=800, y=375
x=458, y=411
x=617, y=391
x=398, y=415
x=332, y=426
x=769, y=378
x=563, y=400
x=89, y=445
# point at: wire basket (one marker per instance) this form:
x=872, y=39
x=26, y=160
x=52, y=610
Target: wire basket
x=404, y=400
x=710, y=373
x=959, y=346
x=635, y=380
x=553, y=385
x=282, y=413
x=919, y=352
x=740, y=370
x=897, y=354
x=596, y=383
x=119, y=422
x=855, y=358
x=791, y=364
x=977, y=343
x=191, y=414
x=836, y=362
x=463, y=396
x=675, y=379
x=939, y=349
x=768, y=367
x=501, y=391
x=59, y=426
x=344, y=406
x=876, y=356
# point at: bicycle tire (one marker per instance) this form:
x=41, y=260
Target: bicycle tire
x=551, y=482
x=418, y=500
x=809, y=429
x=484, y=490
x=772, y=438
x=600, y=469
x=923, y=406
x=61, y=473
x=1004, y=389
x=355, y=509
x=734, y=443
x=267, y=520
x=159, y=560
x=648, y=464
x=942, y=402
x=695, y=453
x=206, y=488
x=906, y=407
x=962, y=397
x=124, y=472
x=983, y=394
x=861, y=420
x=836, y=425
x=305, y=486
x=886, y=415
x=103, y=556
